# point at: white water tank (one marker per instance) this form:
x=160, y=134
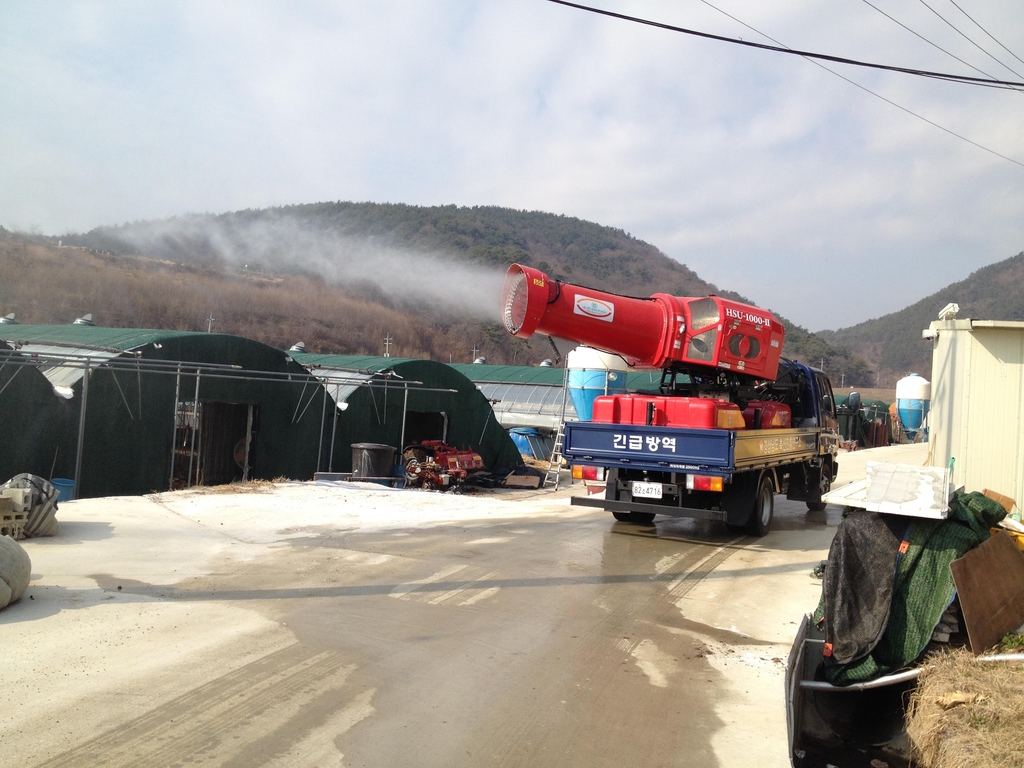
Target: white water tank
x=913, y=396
x=593, y=373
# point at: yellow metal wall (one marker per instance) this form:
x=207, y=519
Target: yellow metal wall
x=978, y=403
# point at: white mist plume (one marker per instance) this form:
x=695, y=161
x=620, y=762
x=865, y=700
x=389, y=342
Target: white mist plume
x=288, y=243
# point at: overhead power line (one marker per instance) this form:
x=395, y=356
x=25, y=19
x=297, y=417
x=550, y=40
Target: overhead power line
x=965, y=13
x=958, y=32
x=863, y=88
x=932, y=44
x=851, y=82
x=988, y=82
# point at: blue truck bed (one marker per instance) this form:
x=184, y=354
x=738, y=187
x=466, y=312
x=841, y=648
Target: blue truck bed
x=683, y=449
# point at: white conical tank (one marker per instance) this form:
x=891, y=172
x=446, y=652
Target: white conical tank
x=913, y=387
x=913, y=396
x=593, y=373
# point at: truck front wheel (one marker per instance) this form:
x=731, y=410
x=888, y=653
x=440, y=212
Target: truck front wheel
x=764, y=507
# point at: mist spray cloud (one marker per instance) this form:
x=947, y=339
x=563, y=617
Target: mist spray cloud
x=280, y=242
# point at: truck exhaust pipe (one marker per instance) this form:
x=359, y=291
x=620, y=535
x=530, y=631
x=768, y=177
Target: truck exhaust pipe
x=655, y=332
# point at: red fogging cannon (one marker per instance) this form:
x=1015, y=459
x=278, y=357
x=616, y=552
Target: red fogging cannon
x=655, y=332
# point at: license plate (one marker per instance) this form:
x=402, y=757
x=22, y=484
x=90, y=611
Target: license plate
x=646, y=490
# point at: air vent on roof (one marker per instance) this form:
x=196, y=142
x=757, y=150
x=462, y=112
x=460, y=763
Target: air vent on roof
x=84, y=320
x=297, y=347
x=8, y=319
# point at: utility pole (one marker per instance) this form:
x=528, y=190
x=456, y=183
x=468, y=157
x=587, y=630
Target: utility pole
x=209, y=323
x=388, y=338
x=474, y=350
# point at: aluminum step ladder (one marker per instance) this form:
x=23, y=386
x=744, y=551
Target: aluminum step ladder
x=553, y=475
x=555, y=462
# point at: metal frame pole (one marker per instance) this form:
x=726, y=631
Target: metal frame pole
x=248, y=442
x=174, y=426
x=13, y=375
x=81, y=430
x=334, y=428
x=323, y=416
x=138, y=371
x=405, y=408
x=195, y=428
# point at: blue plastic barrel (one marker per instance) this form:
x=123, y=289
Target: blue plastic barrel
x=65, y=488
x=521, y=437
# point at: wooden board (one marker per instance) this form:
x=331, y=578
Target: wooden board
x=990, y=583
x=522, y=481
x=1005, y=502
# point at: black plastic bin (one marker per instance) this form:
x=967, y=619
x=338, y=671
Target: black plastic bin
x=372, y=460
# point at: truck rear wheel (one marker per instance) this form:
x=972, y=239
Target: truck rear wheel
x=764, y=507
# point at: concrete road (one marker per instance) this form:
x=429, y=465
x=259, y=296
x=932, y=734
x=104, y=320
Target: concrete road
x=307, y=625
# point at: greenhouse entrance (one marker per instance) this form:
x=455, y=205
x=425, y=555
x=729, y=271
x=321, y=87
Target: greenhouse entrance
x=214, y=443
x=420, y=426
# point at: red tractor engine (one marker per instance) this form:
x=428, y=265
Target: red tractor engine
x=434, y=464
x=657, y=332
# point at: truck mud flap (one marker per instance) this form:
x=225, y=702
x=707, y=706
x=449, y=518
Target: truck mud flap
x=653, y=509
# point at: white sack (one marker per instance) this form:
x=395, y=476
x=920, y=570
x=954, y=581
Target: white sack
x=15, y=570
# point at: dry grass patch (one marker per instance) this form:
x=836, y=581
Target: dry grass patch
x=250, y=486
x=967, y=714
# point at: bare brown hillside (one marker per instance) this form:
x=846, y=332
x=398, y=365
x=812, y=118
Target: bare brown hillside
x=46, y=284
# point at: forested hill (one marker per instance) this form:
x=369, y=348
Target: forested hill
x=394, y=254
x=274, y=238
x=894, y=341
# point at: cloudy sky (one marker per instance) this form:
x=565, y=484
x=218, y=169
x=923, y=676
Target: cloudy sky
x=763, y=172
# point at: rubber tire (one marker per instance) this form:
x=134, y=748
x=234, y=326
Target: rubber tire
x=637, y=518
x=412, y=477
x=824, y=486
x=764, y=507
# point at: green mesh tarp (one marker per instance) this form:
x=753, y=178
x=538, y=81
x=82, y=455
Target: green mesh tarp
x=922, y=587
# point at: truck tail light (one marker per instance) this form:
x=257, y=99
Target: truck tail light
x=703, y=483
x=731, y=418
x=582, y=472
